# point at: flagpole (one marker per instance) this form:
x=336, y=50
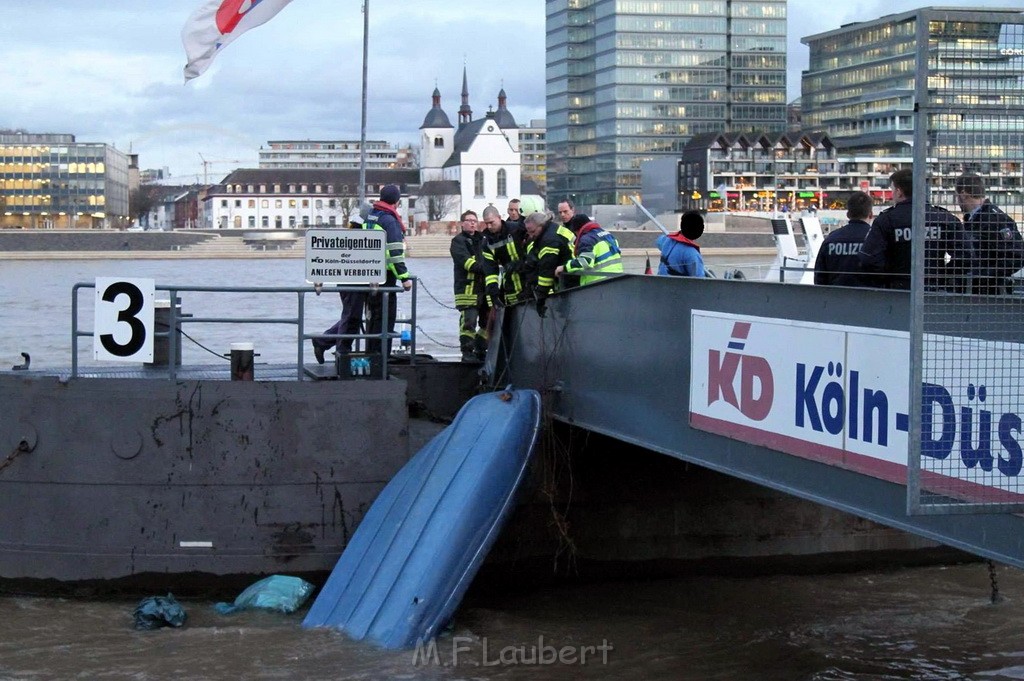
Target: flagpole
x=362, y=131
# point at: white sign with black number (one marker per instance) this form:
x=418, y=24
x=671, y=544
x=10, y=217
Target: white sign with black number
x=123, y=324
x=345, y=256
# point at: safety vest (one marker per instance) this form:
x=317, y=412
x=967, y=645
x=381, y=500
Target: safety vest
x=602, y=261
x=394, y=251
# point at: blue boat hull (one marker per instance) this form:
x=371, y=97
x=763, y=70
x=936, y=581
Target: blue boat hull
x=412, y=558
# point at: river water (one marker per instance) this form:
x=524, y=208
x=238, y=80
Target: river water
x=915, y=623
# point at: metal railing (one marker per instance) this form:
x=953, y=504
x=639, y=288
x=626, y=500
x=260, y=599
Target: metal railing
x=176, y=320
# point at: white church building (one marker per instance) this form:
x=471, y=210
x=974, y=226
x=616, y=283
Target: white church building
x=468, y=167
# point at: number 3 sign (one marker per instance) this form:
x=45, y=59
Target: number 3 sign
x=123, y=324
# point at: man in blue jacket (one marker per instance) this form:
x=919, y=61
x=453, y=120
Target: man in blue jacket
x=384, y=216
x=680, y=254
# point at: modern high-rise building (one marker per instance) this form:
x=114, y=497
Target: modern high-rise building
x=335, y=155
x=964, y=67
x=630, y=80
x=50, y=181
x=533, y=151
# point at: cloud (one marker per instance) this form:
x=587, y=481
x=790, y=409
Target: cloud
x=112, y=71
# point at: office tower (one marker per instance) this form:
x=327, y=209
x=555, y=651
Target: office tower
x=51, y=181
x=964, y=67
x=630, y=80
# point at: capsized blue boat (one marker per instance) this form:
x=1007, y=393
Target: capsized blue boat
x=419, y=546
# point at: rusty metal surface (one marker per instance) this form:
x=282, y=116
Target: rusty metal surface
x=124, y=477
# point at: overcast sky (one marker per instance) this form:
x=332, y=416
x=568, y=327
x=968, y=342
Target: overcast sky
x=111, y=71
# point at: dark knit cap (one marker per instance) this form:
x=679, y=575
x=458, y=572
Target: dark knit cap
x=691, y=224
x=577, y=221
x=390, y=193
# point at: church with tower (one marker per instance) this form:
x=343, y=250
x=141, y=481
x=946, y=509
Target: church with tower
x=469, y=166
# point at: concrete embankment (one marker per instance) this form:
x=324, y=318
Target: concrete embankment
x=114, y=245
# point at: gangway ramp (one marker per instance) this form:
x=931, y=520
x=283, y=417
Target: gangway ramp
x=757, y=380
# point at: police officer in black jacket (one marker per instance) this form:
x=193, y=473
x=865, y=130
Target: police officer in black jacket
x=838, y=261
x=998, y=246
x=887, y=247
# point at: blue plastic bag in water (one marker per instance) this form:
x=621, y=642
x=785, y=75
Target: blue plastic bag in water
x=159, y=611
x=277, y=592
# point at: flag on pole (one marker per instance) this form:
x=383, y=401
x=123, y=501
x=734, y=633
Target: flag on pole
x=217, y=23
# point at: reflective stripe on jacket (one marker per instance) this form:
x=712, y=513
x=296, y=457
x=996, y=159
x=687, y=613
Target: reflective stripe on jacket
x=597, y=255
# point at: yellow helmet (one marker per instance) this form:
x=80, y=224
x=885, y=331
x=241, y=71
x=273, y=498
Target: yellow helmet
x=531, y=204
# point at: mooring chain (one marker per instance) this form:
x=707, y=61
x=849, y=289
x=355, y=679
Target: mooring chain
x=432, y=296
x=434, y=340
x=19, y=449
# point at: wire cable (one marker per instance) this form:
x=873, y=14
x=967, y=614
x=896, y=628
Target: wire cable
x=215, y=354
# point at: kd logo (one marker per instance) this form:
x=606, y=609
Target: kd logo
x=757, y=384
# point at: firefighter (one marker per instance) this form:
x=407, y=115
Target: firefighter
x=469, y=288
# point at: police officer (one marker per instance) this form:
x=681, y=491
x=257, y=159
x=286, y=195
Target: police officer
x=887, y=246
x=838, y=261
x=998, y=246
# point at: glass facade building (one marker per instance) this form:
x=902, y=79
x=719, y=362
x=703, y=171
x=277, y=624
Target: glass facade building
x=53, y=182
x=964, y=67
x=630, y=80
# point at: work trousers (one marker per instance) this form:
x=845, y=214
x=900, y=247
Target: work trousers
x=352, y=303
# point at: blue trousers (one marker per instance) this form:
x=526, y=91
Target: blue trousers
x=351, y=319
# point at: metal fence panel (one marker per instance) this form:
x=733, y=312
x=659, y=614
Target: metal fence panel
x=967, y=326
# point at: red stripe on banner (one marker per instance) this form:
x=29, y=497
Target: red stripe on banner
x=230, y=13
x=858, y=463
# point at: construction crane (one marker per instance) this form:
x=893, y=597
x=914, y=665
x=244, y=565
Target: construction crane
x=207, y=164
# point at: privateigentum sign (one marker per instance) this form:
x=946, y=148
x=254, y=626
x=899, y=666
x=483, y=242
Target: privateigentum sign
x=345, y=256
x=839, y=395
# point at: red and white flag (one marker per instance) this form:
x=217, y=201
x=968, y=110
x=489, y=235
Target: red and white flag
x=216, y=23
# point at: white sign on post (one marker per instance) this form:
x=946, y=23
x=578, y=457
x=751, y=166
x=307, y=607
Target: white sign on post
x=345, y=256
x=123, y=322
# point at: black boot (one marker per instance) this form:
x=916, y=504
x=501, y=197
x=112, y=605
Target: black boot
x=318, y=352
x=480, y=348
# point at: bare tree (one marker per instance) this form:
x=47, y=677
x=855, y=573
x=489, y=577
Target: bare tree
x=440, y=199
x=346, y=205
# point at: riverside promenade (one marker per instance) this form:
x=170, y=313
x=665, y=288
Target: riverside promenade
x=749, y=239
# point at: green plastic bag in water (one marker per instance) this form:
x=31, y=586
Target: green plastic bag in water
x=280, y=593
x=155, y=612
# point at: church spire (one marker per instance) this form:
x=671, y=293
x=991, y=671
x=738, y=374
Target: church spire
x=465, y=113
